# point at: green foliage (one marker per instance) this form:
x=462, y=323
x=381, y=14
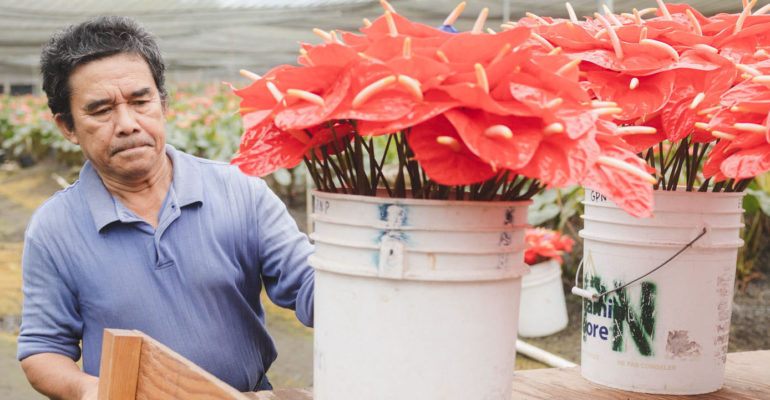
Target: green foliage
x=553, y=208
x=757, y=218
x=27, y=129
x=203, y=121
x=560, y=209
x=200, y=120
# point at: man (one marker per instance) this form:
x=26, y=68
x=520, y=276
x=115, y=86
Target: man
x=148, y=238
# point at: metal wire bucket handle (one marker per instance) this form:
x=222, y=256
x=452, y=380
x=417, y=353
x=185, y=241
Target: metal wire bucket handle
x=593, y=295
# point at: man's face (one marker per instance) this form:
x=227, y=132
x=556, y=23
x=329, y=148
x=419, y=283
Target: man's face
x=118, y=117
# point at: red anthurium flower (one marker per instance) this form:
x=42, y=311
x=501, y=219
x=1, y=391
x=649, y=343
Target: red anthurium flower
x=435, y=102
x=620, y=175
x=637, y=96
x=638, y=58
x=755, y=33
x=678, y=119
x=747, y=163
x=387, y=47
x=548, y=71
x=560, y=161
x=471, y=95
x=694, y=90
x=571, y=37
x=380, y=27
x=257, y=101
x=320, y=100
x=744, y=147
x=544, y=244
x=362, y=101
x=681, y=9
x=507, y=142
x=641, y=142
x=329, y=54
x=752, y=96
x=444, y=156
x=429, y=72
x=714, y=160
x=268, y=149
x=463, y=50
x=331, y=138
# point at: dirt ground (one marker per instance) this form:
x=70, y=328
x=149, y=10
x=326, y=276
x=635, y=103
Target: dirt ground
x=23, y=190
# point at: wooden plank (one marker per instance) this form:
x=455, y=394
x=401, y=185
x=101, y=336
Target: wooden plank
x=284, y=394
x=746, y=377
x=119, y=366
x=164, y=374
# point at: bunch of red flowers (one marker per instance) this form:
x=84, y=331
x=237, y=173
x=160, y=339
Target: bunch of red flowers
x=473, y=108
x=699, y=83
x=545, y=244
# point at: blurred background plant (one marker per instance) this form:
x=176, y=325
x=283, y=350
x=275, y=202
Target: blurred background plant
x=757, y=217
x=560, y=210
x=201, y=120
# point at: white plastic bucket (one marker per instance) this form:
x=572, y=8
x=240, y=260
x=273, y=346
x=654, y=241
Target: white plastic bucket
x=668, y=332
x=413, y=298
x=542, y=309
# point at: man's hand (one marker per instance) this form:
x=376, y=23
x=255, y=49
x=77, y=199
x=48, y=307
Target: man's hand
x=58, y=377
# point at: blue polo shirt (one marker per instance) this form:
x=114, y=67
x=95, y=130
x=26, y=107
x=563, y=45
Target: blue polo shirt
x=193, y=283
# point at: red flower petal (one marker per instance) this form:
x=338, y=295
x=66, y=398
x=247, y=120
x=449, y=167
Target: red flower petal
x=513, y=153
x=747, y=163
x=560, y=161
x=629, y=192
x=434, y=103
x=652, y=92
x=270, y=149
x=441, y=163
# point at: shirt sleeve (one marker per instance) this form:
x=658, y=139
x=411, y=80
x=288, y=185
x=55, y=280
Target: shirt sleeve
x=50, y=321
x=283, y=253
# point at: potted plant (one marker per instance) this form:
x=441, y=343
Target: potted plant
x=417, y=270
x=543, y=309
x=691, y=93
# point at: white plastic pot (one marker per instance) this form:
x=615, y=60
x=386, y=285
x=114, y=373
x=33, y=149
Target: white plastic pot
x=542, y=310
x=415, y=299
x=668, y=332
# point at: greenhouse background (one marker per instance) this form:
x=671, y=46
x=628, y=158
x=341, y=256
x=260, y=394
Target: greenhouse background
x=210, y=40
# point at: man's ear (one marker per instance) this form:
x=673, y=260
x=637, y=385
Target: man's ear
x=66, y=128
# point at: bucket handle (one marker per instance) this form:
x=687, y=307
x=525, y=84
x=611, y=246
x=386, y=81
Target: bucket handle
x=592, y=295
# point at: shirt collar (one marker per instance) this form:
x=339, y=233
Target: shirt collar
x=187, y=181
x=105, y=208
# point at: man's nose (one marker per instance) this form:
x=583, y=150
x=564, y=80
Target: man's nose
x=125, y=123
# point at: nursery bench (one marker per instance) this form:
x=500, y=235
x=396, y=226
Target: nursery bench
x=135, y=366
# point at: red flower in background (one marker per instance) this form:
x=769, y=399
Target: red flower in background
x=545, y=244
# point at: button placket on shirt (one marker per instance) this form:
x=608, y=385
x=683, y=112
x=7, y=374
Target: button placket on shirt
x=168, y=215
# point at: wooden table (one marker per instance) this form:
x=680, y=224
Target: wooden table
x=747, y=377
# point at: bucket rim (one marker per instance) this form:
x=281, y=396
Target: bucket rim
x=681, y=192
x=423, y=249
x=658, y=211
x=412, y=201
x=320, y=263
x=381, y=225
x=641, y=224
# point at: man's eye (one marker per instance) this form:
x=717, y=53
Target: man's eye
x=101, y=111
